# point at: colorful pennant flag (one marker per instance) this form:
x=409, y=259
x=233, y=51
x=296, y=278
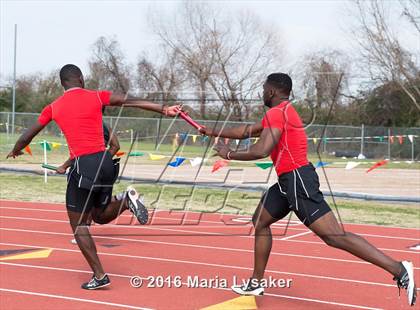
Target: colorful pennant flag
x=256, y=140
x=204, y=138
x=391, y=139
x=264, y=165
x=411, y=138
x=216, y=140
x=378, y=164
x=135, y=153
x=194, y=137
x=178, y=161
x=321, y=164
x=219, y=164
x=226, y=140
x=55, y=145
x=28, y=150
x=351, y=164
x=196, y=161
x=184, y=137
x=315, y=140
x=237, y=141
x=120, y=153
x=156, y=157
x=401, y=139
x=45, y=145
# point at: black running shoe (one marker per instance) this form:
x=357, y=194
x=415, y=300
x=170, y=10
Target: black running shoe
x=94, y=283
x=249, y=289
x=405, y=280
x=136, y=206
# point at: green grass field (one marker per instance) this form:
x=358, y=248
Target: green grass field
x=32, y=188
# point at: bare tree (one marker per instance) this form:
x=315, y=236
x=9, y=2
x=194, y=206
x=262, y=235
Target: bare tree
x=320, y=74
x=107, y=66
x=382, y=53
x=188, y=36
x=161, y=80
x=245, y=52
x=221, y=53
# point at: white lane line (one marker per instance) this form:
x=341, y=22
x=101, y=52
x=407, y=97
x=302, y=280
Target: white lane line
x=190, y=262
x=184, y=223
x=93, y=301
x=296, y=235
x=219, y=288
x=204, y=233
x=201, y=212
x=189, y=245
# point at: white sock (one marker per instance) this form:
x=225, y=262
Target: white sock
x=120, y=196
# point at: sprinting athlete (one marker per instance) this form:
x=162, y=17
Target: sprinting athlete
x=78, y=113
x=282, y=135
x=111, y=141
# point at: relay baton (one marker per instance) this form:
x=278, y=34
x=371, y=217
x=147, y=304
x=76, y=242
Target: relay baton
x=189, y=120
x=49, y=167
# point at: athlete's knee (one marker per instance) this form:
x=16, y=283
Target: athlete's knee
x=336, y=240
x=99, y=220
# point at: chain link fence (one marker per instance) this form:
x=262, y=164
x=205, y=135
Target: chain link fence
x=341, y=141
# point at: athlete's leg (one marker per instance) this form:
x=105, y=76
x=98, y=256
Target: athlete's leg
x=272, y=207
x=78, y=222
x=263, y=240
x=333, y=234
x=105, y=215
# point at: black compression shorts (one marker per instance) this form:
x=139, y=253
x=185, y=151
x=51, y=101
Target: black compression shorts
x=90, y=182
x=296, y=191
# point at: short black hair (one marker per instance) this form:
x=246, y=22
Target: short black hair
x=69, y=72
x=281, y=81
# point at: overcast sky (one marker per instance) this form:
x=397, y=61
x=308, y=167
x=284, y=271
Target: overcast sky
x=53, y=33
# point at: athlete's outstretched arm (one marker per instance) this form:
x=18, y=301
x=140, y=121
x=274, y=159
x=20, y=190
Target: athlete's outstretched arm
x=268, y=140
x=25, y=139
x=238, y=132
x=121, y=100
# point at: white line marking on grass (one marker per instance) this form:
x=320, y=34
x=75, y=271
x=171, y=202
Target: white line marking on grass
x=224, y=289
x=74, y=299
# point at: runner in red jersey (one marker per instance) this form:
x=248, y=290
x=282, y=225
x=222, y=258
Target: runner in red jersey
x=78, y=113
x=283, y=137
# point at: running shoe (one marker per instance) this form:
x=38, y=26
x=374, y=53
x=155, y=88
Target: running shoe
x=73, y=241
x=95, y=283
x=249, y=289
x=405, y=280
x=136, y=205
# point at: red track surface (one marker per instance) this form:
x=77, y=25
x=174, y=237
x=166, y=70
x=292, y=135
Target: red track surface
x=189, y=244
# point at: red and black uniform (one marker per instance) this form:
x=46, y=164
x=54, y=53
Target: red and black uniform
x=78, y=113
x=297, y=188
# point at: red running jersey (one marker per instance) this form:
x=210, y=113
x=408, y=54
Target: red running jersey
x=78, y=113
x=291, y=150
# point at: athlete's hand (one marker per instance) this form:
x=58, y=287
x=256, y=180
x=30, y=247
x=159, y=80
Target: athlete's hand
x=222, y=149
x=172, y=110
x=61, y=169
x=206, y=131
x=14, y=154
